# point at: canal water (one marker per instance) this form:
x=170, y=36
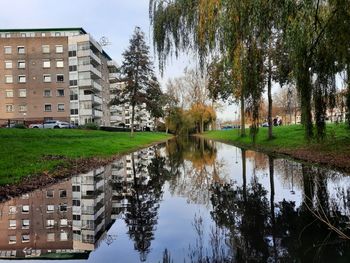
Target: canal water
x=188, y=200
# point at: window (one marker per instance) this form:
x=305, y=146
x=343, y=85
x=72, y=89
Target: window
x=63, y=208
x=47, y=78
x=25, y=223
x=76, y=188
x=46, y=63
x=50, y=208
x=60, y=78
x=76, y=202
x=73, y=82
x=25, y=196
x=9, y=93
x=25, y=208
x=49, y=193
x=25, y=238
x=76, y=217
x=22, y=79
x=22, y=93
x=23, y=108
x=63, y=222
x=21, y=50
x=8, y=50
x=47, y=107
x=63, y=236
x=12, y=210
x=21, y=64
x=63, y=193
x=74, y=111
x=59, y=63
x=43, y=34
x=57, y=34
x=47, y=93
x=8, y=64
x=60, y=92
x=23, y=35
x=10, y=108
x=72, y=53
x=50, y=237
x=50, y=223
x=12, y=239
x=12, y=224
x=60, y=107
x=46, y=49
x=59, y=49
x=8, y=79
x=73, y=68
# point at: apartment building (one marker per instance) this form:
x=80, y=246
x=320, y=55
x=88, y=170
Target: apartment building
x=59, y=73
x=37, y=223
x=120, y=115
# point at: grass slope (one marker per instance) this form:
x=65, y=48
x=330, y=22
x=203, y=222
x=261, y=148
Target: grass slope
x=22, y=151
x=290, y=139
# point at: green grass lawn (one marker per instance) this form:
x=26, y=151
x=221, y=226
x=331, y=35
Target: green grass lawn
x=22, y=151
x=289, y=137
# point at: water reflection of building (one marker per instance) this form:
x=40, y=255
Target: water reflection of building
x=91, y=207
x=70, y=219
x=38, y=223
x=66, y=220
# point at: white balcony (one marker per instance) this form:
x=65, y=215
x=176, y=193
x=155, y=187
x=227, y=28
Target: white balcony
x=89, y=83
x=91, y=97
x=85, y=112
x=89, y=53
x=89, y=68
x=98, y=113
x=113, y=77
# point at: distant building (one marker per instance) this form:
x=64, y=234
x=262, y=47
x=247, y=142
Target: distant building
x=121, y=114
x=56, y=73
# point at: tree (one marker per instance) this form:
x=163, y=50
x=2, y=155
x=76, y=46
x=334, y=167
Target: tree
x=235, y=29
x=137, y=71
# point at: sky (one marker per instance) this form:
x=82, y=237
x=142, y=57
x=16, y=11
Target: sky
x=114, y=19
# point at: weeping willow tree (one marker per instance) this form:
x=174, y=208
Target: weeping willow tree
x=309, y=37
x=233, y=30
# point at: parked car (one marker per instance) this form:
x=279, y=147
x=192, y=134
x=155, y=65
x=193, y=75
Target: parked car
x=51, y=124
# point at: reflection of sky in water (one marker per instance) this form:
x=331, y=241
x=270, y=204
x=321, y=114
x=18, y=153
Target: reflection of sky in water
x=233, y=163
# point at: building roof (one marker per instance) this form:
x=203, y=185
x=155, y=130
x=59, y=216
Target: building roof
x=45, y=29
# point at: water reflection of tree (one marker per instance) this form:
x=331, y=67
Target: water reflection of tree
x=264, y=231
x=196, y=166
x=142, y=213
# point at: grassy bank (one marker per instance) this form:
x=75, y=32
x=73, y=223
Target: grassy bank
x=334, y=150
x=31, y=152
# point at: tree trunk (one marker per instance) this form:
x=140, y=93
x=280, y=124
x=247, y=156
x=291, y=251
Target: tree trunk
x=304, y=85
x=244, y=175
x=132, y=120
x=272, y=203
x=242, y=116
x=269, y=95
x=347, y=113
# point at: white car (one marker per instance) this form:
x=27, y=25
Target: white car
x=51, y=124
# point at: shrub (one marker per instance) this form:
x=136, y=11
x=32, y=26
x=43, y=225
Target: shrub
x=89, y=126
x=19, y=126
